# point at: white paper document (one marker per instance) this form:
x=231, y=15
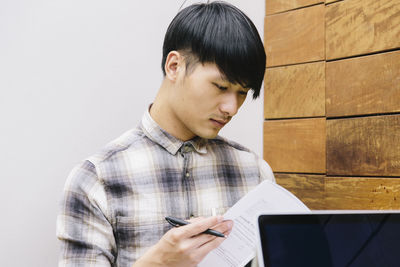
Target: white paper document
x=240, y=247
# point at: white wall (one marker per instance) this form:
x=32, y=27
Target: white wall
x=73, y=76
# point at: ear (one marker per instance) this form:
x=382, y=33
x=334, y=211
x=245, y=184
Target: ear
x=174, y=64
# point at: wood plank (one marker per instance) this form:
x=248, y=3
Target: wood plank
x=276, y=6
x=361, y=26
x=295, y=91
x=362, y=193
x=331, y=1
x=296, y=145
x=363, y=85
x=296, y=36
x=367, y=146
x=308, y=188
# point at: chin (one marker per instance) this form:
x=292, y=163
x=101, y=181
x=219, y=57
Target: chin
x=209, y=135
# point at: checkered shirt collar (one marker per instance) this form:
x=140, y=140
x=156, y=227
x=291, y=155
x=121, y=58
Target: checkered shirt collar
x=172, y=144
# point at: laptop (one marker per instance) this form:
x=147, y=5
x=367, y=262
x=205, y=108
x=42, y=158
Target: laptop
x=329, y=239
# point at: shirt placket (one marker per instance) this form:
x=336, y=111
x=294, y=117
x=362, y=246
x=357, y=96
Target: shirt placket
x=186, y=151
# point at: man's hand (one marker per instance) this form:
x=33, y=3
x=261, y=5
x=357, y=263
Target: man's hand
x=186, y=245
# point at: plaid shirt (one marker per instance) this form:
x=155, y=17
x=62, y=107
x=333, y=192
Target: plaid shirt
x=115, y=202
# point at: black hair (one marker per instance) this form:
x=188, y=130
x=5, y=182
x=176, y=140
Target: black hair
x=219, y=33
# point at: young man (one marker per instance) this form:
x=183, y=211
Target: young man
x=174, y=163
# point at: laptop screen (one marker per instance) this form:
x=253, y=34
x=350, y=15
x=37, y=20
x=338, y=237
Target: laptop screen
x=330, y=240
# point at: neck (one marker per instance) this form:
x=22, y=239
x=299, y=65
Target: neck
x=164, y=115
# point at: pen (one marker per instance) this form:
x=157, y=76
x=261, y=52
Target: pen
x=178, y=222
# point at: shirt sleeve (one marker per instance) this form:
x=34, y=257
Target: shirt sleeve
x=83, y=227
x=265, y=171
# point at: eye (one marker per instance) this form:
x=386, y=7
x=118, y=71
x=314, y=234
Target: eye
x=222, y=88
x=243, y=93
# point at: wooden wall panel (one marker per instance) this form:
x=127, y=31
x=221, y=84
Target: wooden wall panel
x=358, y=44
x=363, y=85
x=362, y=193
x=295, y=91
x=331, y=1
x=276, y=6
x=367, y=146
x=336, y=193
x=295, y=37
x=296, y=145
x=355, y=27
x=310, y=189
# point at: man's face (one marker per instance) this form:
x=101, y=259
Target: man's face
x=202, y=101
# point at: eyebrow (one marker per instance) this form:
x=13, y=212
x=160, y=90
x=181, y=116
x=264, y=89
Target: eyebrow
x=223, y=78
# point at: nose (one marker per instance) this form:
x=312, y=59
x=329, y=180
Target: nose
x=229, y=104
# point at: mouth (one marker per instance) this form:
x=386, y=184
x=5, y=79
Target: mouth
x=219, y=123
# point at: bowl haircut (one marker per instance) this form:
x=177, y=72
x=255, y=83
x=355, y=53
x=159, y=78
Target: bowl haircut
x=219, y=33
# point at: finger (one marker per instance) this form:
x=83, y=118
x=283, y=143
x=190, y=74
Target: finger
x=224, y=227
x=199, y=226
x=197, y=219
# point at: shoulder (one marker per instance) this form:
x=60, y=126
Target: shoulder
x=89, y=176
x=228, y=144
x=225, y=149
x=127, y=141
x=243, y=155
x=95, y=168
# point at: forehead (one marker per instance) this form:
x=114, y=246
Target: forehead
x=208, y=70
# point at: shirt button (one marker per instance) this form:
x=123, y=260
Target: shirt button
x=186, y=148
